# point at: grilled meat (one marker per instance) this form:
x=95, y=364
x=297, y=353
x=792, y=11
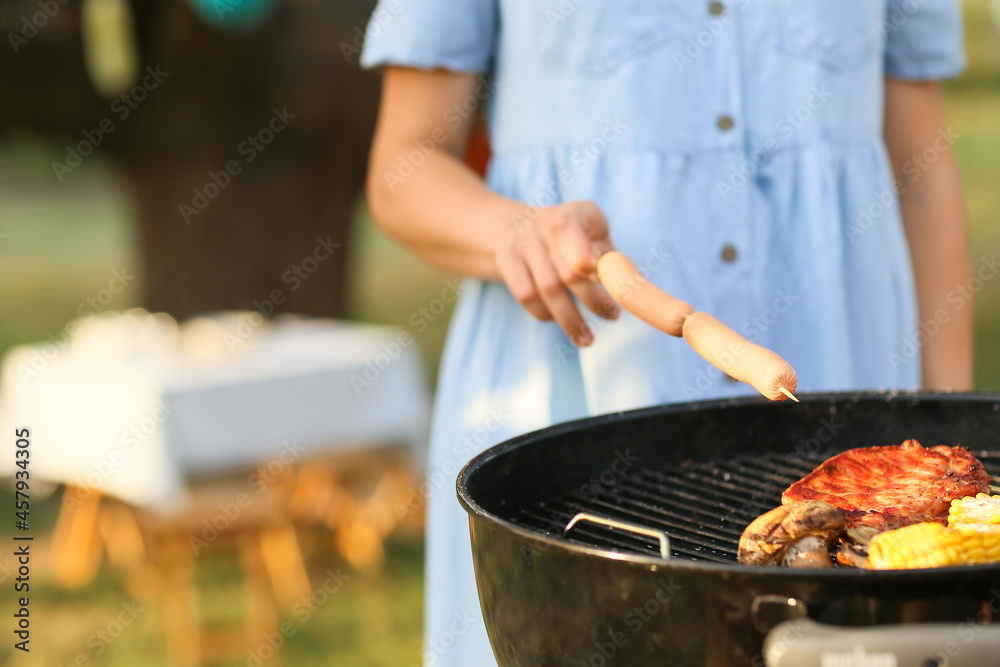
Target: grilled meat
x=890, y=487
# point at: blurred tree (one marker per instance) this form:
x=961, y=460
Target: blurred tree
x=217, y=99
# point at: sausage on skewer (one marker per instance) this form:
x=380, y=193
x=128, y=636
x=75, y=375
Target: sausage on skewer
x=725, y=349
x=634, y=293
x=733, y=354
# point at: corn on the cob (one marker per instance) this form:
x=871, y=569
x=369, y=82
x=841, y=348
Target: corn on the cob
x=981, y=512
x=933, y=545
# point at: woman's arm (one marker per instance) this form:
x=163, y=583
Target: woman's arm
x=933, y=209
x=419, y=190
x=422, y=194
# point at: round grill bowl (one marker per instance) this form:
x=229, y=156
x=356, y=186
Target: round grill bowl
x=553, y=599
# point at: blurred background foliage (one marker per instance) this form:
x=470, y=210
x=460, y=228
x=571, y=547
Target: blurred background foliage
x=59, y=244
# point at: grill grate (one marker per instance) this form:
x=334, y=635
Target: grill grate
x=703, y=507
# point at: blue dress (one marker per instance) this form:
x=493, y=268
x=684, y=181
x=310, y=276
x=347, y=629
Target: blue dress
x=736, y=148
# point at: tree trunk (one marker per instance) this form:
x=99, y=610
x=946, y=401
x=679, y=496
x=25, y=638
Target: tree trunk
x=282, y=107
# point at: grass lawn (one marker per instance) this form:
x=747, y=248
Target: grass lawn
x=371, y=621
x=58, y=247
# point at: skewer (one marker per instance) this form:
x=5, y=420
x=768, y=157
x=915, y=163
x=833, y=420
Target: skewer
x=788, y=394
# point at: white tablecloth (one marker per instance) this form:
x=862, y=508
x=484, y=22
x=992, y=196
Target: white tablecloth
x=127, y=407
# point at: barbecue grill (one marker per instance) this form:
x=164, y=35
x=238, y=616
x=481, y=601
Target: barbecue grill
x=613, y=540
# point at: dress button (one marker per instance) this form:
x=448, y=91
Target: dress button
x=725, y=122
x=716, y=8
x=729, y=253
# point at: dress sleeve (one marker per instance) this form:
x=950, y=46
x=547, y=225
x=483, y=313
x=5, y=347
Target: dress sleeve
x=458, y=35
x=923, y=39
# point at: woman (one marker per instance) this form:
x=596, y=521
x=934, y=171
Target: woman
x=743, y=154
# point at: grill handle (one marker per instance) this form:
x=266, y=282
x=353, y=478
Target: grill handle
x=806, y=643
x=659, y=535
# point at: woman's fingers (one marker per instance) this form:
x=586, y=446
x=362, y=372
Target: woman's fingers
x=575, y=235
x=565, y=237
x=591, y=294
x=519, y=281
x=553, y=291
x=544, y=262
x=596, y=299
x=572, y=231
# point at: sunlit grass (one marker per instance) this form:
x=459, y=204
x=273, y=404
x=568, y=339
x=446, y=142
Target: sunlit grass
x=372, y=621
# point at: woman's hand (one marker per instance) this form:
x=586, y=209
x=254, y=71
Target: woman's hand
x=446, y=213
x=545, y=260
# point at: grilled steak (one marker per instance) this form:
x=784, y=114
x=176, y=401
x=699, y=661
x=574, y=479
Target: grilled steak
x=891, y=487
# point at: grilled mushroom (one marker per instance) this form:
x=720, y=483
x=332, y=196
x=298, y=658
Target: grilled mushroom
x=853, y=550
x=808, y=552
x=797, y=534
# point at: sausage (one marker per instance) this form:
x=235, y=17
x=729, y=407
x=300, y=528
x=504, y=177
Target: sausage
x=733, y=354
x=634, y=293
x=725, y=349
